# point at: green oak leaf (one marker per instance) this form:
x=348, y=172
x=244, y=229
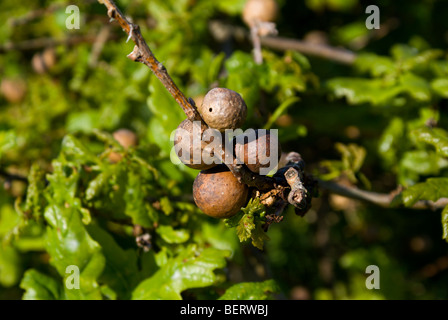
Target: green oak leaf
x=191, y=268
x=39, y=286
x=121, y=273
x=10, y=266
x=432, y=189
x=445, y=223
x=248, y=223
x=436, y=137
x=67, y=240
x=171, y=236
x=251, y=291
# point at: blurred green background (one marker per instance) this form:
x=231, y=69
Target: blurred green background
x=358, y=123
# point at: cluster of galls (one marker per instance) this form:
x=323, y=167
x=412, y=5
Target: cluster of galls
x=216, y=191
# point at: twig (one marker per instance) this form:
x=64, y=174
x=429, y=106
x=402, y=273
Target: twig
x=34, y=14
x=322, y=51
x=255, y=37
x=39, y=43
x=380, y=199
x=98, y=45
x=244, y=175
x=11, y=176
x=260, y=29
x=221, y=31
x=142, y=53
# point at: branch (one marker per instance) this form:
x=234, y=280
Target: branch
x=222, y=32
x=34, y=14
x=39, y=43
x=10, y=176
x=98, y=45
x=380, y=199
x=255, y=37
x=342, y=56
x=142, y=53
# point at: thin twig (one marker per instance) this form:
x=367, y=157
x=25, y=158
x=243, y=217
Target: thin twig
x=322, y=51
x=222, y=31
x=39, y=43
x=255, y=37
x=34, y=14
x=98, y=45
x=37, y=13
x=11, y=176
x=380, y=199
x=142, y=53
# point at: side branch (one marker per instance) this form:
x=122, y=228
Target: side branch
x=222, y=32
x=10, y=176
x=39, y=43
x=322, y=51
x=380, y=199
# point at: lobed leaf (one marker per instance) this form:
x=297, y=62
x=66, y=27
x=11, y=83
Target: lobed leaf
x=436, y=137
x=169, y=235
x=249, y=223
x=191, y=268
x=251, y=291
x=432, y=189
x=39, y=286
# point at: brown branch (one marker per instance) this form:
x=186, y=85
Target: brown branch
x=318, y=50
x=255, y=37
x=34, y=14
x=98, y=45
x=380, y=199
x=244, y=175
x=10, y=176
x=37, y=13
x=142, y=53
x=39, y=43
x=222, y=32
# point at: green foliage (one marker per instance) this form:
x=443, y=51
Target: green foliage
x=131, y=225
x=39, y=286
x=352, y=159
x=251, y=291
x=249, y=222
x=432, y=189
x=445, y=223
x=191, y=268
x=406, y=78
x=436, y=137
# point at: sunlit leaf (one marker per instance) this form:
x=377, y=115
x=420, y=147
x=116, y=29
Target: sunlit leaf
x=251, y=291
x=192, y=268
x=39, y=286
x=436, y=137
x=432, y=189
